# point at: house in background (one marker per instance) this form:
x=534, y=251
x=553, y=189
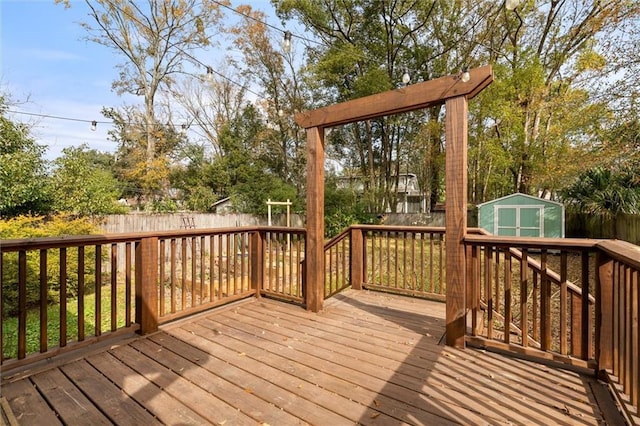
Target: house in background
x=410, y=198
x=521, y=215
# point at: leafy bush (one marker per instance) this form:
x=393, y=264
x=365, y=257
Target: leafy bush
x=25, y=227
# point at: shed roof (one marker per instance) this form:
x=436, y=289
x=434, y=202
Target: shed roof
x=519, y=194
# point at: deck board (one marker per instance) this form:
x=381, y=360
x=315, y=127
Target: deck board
x=369, y=358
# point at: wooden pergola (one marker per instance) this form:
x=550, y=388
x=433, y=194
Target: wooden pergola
x=454, y=93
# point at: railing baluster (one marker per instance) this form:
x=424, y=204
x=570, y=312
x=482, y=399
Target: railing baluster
x=98, y=291
x=174, y=274
x=127, y=283
x=633, y=347
x=80, y=294
x=22, y=304
x=194, y=270
x=431, y=248
x=508, y=315
x=535, y=297
x=212, y=268
x=183, y=250
x=441, y=244
x=220, y=259
x=545, y=304
x=576, y=325
x=202, y=268
x=422, y=283
x=488, y=255
x=44, y=299
x=563, y=303
x=586, y=350
x=635, y=339
x=388, y=275
x=63, y=297
x=162, y=273
x=524, y=317
x=496, y=280
x=475, y=289
x=114, y=287
x=627, y=371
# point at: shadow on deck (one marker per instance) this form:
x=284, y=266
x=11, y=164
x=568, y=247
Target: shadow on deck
x=368, y=358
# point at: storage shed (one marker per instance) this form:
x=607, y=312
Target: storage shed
x=521, y=215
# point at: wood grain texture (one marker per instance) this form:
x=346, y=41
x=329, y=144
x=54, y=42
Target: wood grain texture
x=456, y=218
x=369, y=358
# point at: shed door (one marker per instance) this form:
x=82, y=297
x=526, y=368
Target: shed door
x=518, y=221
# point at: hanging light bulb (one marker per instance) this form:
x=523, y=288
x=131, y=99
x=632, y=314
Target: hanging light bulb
x=209, y=73
x=94, y=125
x=511, y=4
x=465, y=76
x=287, y=41
x=406, y=78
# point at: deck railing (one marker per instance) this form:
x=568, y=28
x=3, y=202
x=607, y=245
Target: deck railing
x=59, y=294
x=568, y=300
x=404, y=260
x=520, y=303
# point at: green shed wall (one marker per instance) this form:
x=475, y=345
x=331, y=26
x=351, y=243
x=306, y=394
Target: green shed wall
x=553, y=213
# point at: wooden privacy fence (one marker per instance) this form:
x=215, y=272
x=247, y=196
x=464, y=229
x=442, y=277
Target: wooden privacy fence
x=59, y=294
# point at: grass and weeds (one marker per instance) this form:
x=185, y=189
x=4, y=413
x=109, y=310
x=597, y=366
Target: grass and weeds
x=74, y=323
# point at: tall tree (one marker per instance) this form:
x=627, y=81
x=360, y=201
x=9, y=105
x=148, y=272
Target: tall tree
x=545, y=110
x=141, y=180
x=273, y=68
x=366, y=47
x=156, y=38
x=24, y=182
x=83, y=183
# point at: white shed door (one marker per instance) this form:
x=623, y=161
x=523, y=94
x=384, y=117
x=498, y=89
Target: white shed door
x=519, y=221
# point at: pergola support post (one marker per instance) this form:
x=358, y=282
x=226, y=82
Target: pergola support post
x=314, y=256
x=456, y=218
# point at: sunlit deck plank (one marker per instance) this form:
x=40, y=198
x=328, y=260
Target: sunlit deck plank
x=368, y=358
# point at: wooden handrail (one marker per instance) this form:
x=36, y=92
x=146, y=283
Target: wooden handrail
x=12, y=245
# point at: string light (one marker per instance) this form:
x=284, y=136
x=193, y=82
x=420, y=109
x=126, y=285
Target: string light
x=287, y=41
x=288, y=35
x=465, y=76
x=406, y=78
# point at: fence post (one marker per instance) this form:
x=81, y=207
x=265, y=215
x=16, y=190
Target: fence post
x=604, y=312
x=357, y=258
x=257, y=262
x=146, y=252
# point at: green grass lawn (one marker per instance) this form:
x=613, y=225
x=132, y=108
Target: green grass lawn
x=10, y=325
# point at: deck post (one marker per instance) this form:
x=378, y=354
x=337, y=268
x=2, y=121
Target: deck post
x=146, y=253
x=456, y=218
x=357, y=258
x=604, y=312
x=257, y=262
x=314, y=256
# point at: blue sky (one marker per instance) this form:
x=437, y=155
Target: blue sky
x=47, y=66
x=50, y=70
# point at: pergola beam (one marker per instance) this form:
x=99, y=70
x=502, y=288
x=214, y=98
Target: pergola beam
x=405, y=99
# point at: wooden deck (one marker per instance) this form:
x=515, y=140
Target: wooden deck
x=368, y=358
